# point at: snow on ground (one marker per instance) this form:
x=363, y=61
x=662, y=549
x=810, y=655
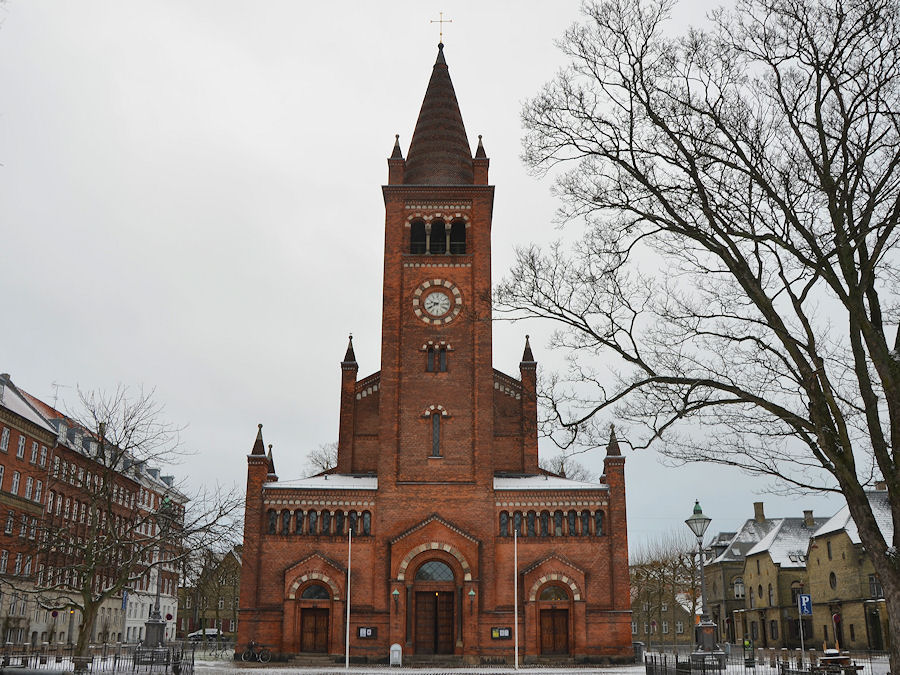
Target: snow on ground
x=232, y=668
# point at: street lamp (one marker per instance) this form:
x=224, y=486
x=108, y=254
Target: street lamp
x=706, y=631
x=155, y=626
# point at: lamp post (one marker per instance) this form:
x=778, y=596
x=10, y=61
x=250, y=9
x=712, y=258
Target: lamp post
x=155, y=626
x=706, y=631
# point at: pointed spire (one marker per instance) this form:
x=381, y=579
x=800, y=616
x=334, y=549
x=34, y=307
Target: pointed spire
x=271, y=462
x=350, y=356
x=258, y=447
x=527, y=356
x=397, y=153
x=439, y=153
x=612, y=448
x=479, y=152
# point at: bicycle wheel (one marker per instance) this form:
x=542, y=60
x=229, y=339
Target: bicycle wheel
x=247, y=655
x=265, y=656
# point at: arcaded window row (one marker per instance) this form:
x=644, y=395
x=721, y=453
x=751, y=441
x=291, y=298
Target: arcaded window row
x=557, y=524
x=322, y=522
x=438, y=239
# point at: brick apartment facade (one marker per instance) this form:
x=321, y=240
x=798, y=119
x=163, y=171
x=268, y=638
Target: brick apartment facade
x=48, y=468
x=437, y=465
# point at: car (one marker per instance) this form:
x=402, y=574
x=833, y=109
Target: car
x=209, y=634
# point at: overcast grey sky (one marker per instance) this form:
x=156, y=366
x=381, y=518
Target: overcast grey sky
x=190, y=200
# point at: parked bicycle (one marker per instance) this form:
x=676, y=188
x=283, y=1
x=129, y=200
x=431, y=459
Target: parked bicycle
x=256, y=652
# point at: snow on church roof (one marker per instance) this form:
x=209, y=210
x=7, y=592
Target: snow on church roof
x=544, y=482
x=328, y=481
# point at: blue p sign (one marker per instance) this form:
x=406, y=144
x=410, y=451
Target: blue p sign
x=805, y=604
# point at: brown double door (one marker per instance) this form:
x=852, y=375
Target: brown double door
x=554, y=631
x=434, y=622
x=313, y=630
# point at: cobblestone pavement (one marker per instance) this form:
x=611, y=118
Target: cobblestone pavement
x=232, y=668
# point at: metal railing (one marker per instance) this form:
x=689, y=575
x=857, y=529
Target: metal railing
x=175, y=658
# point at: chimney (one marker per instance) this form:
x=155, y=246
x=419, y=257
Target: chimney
x=881, y=485
x=758, y=513
x=808, y=518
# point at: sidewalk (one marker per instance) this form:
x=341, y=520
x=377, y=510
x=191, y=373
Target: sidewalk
x=233, y=668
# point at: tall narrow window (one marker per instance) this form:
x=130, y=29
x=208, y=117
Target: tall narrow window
x=442, y=357
x=571, y=517
x=598, y=523
x=285, y=522
x=557, y=523
x=417, y=237
x=312, y=518
x=458, y=238
x=585, y=523
x=366, y=523
x=438, y=238
x=436, y=435
x=273, y=521
x=545, y=523
x=504, y=524
x=429, y=360
x=530, y=523
x=517, y=522
x=339, y=522
x=352, y=517
x=326, y=522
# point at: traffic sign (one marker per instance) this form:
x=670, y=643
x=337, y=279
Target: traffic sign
x=805, y=604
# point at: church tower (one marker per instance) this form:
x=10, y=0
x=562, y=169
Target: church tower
x=437, y=478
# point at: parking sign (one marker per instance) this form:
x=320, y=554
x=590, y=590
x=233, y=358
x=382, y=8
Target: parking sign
x=805, y=604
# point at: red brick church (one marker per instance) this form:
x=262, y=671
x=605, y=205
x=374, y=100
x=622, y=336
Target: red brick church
x=437, y=466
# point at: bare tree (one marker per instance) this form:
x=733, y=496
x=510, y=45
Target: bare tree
x=741, y=187
x=562, y=464
x=665, y=577
x=323, y=458
x=104, y=530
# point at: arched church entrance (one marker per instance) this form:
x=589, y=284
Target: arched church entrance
x=434, y=591
x=315, y=610
x=554, y=615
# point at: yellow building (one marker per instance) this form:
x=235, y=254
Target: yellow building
x=848, y=600
x=775, y=574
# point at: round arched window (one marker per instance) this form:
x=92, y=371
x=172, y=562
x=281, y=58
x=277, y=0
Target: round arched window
x=434, y=570
x=832, y=580
x=315, y=592
x=554, y=593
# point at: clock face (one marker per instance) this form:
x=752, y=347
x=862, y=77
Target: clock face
x=437, y=303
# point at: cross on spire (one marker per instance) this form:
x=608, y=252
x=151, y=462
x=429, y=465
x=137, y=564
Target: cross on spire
x=441, y=21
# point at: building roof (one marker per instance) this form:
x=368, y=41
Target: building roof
x=329, y=481
x=544, y=482
x=19, y=402
x=751, y=533
x=439, y=153
x=787, y=542
x=881, y=509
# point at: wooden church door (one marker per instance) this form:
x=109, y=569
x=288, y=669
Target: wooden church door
x=313, y=630
x=434, y=622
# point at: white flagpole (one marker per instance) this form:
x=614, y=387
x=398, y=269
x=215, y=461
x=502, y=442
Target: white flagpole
x=516, y=589
x=349, y=549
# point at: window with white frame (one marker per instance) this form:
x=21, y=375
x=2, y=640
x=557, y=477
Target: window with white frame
x=34, y=452
x=20, y=450
x=634, y=627
x=43, y=455
x=1, y=476
x=38, y=491
x=29, y=487
x=679, y=627
x=665, y=627
x=18, y=568
x=10, y=521
x=4, y=560
x=4, y=440
x=14, y=488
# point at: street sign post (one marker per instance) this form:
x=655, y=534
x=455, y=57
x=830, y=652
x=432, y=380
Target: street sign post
x=804, y=608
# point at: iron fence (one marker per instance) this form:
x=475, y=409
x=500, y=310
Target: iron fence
x=737, y=661
x=177, y=659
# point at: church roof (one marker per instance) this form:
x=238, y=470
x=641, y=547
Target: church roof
x=439, y=153
x=258, y=447
x=331, y=481
x=544, y=482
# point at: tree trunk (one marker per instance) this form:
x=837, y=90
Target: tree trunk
x=891, y=585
